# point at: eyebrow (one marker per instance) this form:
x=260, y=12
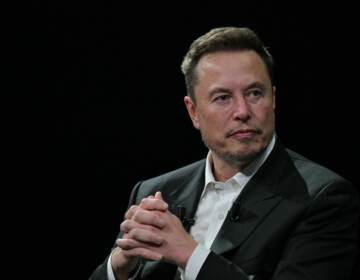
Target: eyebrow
x=219, y=89
x=255, y=84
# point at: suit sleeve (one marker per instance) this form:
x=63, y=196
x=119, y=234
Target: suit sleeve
x=323, y=245
x=100, y=272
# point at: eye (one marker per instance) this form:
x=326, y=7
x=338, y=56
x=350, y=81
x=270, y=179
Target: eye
x=222, y=98
x=254, y=94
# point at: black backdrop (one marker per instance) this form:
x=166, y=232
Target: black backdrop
x=115, y=114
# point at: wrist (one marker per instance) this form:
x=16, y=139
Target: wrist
x=184, y=258
x=121, y=265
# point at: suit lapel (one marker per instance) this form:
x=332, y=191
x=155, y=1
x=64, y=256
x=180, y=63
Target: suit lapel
x=187, y=194
x=234, y=233
x=256, y=201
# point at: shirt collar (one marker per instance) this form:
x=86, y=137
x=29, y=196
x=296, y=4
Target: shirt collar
x=239, y=177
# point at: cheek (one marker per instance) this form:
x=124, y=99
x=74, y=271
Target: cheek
x=213, y=121
x=268, y=119
x=265, y=116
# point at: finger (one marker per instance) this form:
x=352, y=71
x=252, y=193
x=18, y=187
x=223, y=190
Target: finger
x=131, y=211
x=151, y=218
x=127, y=225
x=158, y=195
x=153, y=204
x=129, y=244
x=143, y=253
x=145, y=236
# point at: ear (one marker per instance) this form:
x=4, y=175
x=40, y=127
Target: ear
x=274, y=97
x=191, y=108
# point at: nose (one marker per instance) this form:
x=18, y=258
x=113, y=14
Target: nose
x=241, y=109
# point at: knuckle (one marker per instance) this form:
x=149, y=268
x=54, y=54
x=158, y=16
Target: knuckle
x=151, y=229
x=135, y=233
x=155, y=220
x=124, y=227
x=137, y=215
x=127, y=245
x=131, y=210
x=158, y=220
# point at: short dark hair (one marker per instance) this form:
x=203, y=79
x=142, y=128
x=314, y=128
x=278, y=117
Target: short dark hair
x=223, y=39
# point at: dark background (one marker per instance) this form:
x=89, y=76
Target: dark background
x=113, y=110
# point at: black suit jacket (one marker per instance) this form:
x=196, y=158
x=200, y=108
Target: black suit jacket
x=295, y=220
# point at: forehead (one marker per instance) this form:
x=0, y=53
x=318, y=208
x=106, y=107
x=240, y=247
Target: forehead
x=231, y=69
x=231, y=61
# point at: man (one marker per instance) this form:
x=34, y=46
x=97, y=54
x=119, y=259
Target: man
x=252, y=209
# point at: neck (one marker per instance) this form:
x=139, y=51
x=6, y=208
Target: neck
x=223, y=170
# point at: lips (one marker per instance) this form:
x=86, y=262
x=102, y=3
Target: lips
x=243, y=133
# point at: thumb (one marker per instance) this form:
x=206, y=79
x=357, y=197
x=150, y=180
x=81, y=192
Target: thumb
x=158, y=195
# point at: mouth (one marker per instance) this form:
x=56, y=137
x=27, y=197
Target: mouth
x=243, y=133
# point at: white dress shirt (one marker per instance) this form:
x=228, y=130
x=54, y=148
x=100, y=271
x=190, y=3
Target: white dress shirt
x=215, y=202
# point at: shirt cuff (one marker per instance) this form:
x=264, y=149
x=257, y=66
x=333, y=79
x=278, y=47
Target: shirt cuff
x=195, y=262
x=110, y=273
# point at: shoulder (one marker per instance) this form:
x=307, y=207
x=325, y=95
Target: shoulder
x=316, y=176
x=311, y=169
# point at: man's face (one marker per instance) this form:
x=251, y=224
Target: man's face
x=234, y=107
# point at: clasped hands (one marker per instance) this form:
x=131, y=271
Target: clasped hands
x=152, y=232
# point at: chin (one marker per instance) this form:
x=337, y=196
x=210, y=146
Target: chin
x=237, y=152
x=244, y=154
